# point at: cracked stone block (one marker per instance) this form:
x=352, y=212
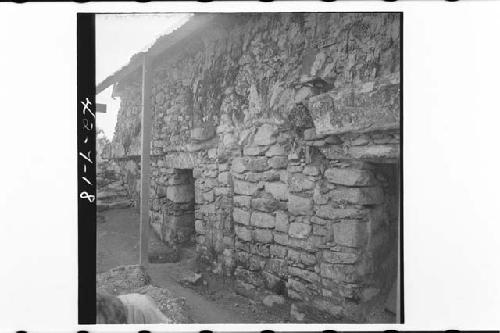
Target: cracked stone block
x=241, y=216
x=266, y=135
x=299, y=230
x=299, y=206
x=278, y=190
x=262, y=220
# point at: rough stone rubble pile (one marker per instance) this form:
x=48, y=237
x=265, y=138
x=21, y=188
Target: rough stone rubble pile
x=134, y=279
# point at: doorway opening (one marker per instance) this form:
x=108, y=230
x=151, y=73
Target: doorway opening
x=388, y=256
x=179, y=208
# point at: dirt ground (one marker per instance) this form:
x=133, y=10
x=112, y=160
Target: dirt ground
x=213, y=301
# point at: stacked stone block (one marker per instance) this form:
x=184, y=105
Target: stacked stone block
x=172, y=204
x=260, y=195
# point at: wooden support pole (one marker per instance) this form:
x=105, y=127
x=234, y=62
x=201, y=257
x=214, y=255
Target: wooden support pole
x=146, y=124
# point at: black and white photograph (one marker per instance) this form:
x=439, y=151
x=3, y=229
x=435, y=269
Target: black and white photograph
x=248, y=167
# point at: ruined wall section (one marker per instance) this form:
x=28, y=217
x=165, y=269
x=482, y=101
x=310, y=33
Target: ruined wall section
x=280, y=117
x=244, y=70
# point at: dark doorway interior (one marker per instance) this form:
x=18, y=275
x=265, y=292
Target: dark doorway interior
x=179, y=207
x=387, y=257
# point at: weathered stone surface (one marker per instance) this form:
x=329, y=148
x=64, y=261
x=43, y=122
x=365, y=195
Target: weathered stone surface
x=276, y=150
x=220, y=191
x=295, y=168
x=271, y=300
x=245, y=188
x=317, y=220
x=204, y=145
x=299, y=182
x=199, y=226
x=350, y=177
x=266, y=135
x=301, y=257
x=239, y=165
x=277, y=266
x=254, y=151
x=203, y=133
x=375, y=152
x=273, y=283
x=242, y=164
x=207, y=196
x=260, y=249
x=224, y=178
x=191, y=279
x=310, y=134
x=243, y=233
x=267, y=203
x=223, y=167
x=250, y=277
x=335, y=153
x=350, y=233
x=262, y=235
x=333, y=140
x=377, y=107
x=360, y=196
x=207, y=209
x=278, y=162
x=328, y=212
x=368, y=293
x=306, y=244
x=262, y=220
x=321, y=230
x=339, y=257
x=241, y=216
x=267, y=176
x=278, y=190
x=303, y=93
x=281, y=221
x=304, y=274
x=257, y=164
x=180, y=193
x=327, y=306
x=345, y=273
x=205, y=184
x=299, y=230
x=242, y=200
x=278, y=251
x=281, y=238
x=360, y=140
x=311, y=170
x=296, y=314
x=299, y=205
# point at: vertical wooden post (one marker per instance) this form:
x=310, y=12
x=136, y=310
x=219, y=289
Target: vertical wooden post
x=146, y=123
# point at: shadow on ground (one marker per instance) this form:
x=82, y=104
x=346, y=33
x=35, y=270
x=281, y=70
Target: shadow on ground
x=213, y=301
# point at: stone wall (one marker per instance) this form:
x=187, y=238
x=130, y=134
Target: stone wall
x=289, y=125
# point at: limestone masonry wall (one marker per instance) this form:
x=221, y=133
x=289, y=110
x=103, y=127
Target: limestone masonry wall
x=275, y=146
